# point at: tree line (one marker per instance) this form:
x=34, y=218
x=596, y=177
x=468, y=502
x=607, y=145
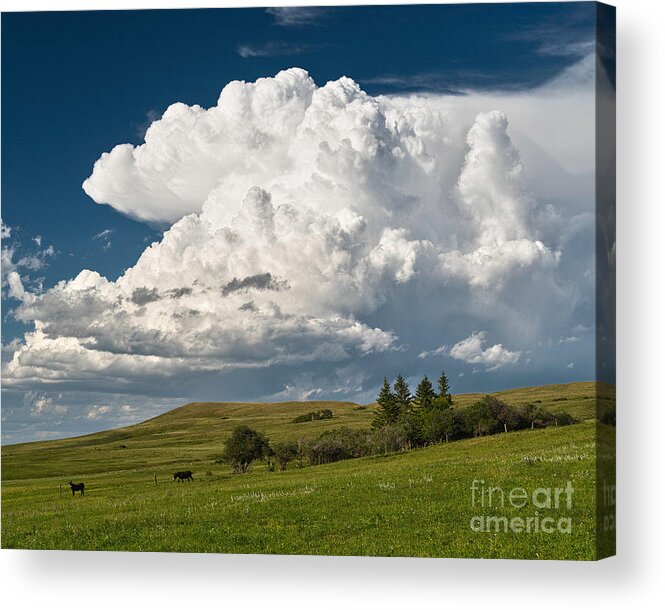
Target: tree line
x=402, y=421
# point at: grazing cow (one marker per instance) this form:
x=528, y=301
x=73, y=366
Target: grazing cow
x=77, y=487
x=185, y=475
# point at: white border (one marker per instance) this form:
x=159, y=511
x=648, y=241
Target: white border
x=633, y=579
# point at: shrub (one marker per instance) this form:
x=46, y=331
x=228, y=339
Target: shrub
x=505, y=416
x=532, y=416
x=440, y=424
x=411, y=424
x=561, y=418
x=478, y=419
x=337, y=444
x=388, y=439
x=284, y=452
x=244, y=446
x=313, y=416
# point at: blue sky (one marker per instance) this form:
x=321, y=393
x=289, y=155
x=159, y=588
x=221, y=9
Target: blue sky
x=77, y=84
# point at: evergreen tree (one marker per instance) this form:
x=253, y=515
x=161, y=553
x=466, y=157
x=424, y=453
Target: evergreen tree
x=402, y=396
x=444, y=388
x=387, y=413
x=425, y=394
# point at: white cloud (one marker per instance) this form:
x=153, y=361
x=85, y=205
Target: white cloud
x=439, y=351
x=105, y=234
x=98, y=411
x=5, y=230
x=271, y=49
x=296, y=16
x=104, y=237
x=296, y=213
x=472, y=350
x=44, y=406
x=16, y=264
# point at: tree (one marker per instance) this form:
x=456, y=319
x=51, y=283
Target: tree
x=338, y=444
x=533, y=416
x=411, y=425
x=285, y=452
x=432, y=423
x=503, y=414
x=441, y=424
x=244, y=446
x=388, y=439
x=402, y=395
x=425, y=394
x=387, y=413
x=444, y=388
x=478, y=419
x=452, y=424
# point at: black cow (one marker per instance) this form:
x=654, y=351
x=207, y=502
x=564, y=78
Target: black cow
x=77, y=487
x=185, y=475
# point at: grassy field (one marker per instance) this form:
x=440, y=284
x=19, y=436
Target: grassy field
x=416, y=503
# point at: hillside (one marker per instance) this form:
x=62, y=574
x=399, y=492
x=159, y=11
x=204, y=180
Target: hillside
x=191, y=436
x=414, y=503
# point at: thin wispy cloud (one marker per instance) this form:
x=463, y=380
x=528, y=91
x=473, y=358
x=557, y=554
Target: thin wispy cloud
x=272, y=49
x=439, y=351
x=104, y=237
x=576, y=49
x=560, y=39
x=297, y=16
x=429, y=82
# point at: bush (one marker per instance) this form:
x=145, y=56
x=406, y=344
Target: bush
x=338, y=444
x=244, y=446
x=313, y=416
x=441, y=425
x=411, y=425
x=284, y=452
x=388, y=439
x=506, y=417
x=478, y=420
x=532, y=416
x=561, y=418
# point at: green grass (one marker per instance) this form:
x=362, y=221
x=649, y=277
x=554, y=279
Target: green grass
x=416, y=503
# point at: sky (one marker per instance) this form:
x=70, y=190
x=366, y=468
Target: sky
x=291, y=204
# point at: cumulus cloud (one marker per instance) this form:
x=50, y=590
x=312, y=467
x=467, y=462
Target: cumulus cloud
x=18, y=262
x=472, y=350
x=296, y=213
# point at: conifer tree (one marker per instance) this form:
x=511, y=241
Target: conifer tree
x=387, y=413
x=402, y=396
x=444, y=388
x=425, y=394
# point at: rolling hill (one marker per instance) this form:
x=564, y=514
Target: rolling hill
x=192, y=434
x=415, y=503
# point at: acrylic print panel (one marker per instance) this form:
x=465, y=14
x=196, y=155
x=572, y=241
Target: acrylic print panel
x=361, y=302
